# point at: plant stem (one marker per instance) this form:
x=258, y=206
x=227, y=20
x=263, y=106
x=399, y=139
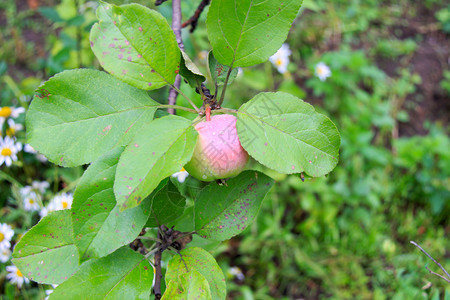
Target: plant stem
x=10, y=178
x=224, y=110
x=177, y=107
x=178, y=91
x=176, y=27
x=151, y=253
x=158, y=256
x=438, y=264
x=225, y=86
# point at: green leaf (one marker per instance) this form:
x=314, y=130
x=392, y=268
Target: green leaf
x=161, y=149
x=189, y=188
x=85, y=114
x=197, y=260
x=46, y=253
x=189, y=286
x=123, y=274
x=99, y=227
x=135, y=44
x=222, y=212
x=219, y=71
x=287, y=135
x=50, y=13
x=167, y=206
x=247, y=32
x=190, y=71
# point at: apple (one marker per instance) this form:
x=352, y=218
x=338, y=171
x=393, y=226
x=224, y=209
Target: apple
x=218, y=153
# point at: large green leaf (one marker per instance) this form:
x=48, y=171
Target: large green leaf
x=195, y=260
x=224, y=211
x=167, y=206
x=189, y=286
x=247, y=32
x=85, y=114
x=159, y=150
x=135, y=44
x=287, y=135
x=123, y=274
x=99, y=227
x=46, y=253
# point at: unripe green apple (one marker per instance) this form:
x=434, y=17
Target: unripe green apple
x=218, y=152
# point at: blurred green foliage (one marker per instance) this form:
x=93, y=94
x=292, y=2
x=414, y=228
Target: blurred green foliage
x=345, y=236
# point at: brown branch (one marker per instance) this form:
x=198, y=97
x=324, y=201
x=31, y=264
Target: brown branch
x=439, y=265
x=194, y=19
x=176, y=27
x=159, y=2
x=158, y=272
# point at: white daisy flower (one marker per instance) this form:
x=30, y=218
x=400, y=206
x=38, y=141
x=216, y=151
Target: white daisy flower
x=6, y=234
x=322, y=71
x=29, y=149
x=25, y=191
x=48, y=292
x=63, y=201
x=15, y=276
x=236, y=272
x=9, y=111
x=181, y=176
x=59, y=202
x=31, y=202
x=5, y=255
x=8, y=150
x=280, y=59
x=13, y=128
x=40, y=186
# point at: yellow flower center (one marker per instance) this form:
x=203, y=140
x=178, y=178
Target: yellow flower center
x=10, y=131
x=320, y=71
x=279, y=62
x=2, y=237
x=5, y=112
x=6, y=152
x=18, y=273
x=65, y=204
x=31, y=201
x=182, y=170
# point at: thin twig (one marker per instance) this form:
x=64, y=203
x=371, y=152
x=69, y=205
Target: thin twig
x=439, y=265
x=177, y=107
x=185, y=97
x=194, y=19
x=225, y=86
x=148, y=238
x=224, y=110
x=158, y=272
x=176, y=27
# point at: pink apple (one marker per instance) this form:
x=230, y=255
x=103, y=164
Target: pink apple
x=218, y=153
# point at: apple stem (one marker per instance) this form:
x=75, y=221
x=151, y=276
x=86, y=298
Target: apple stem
x=208, y=112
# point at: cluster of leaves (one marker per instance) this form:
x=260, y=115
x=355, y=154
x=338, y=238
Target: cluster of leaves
x=87, y=116
x=346, y=236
